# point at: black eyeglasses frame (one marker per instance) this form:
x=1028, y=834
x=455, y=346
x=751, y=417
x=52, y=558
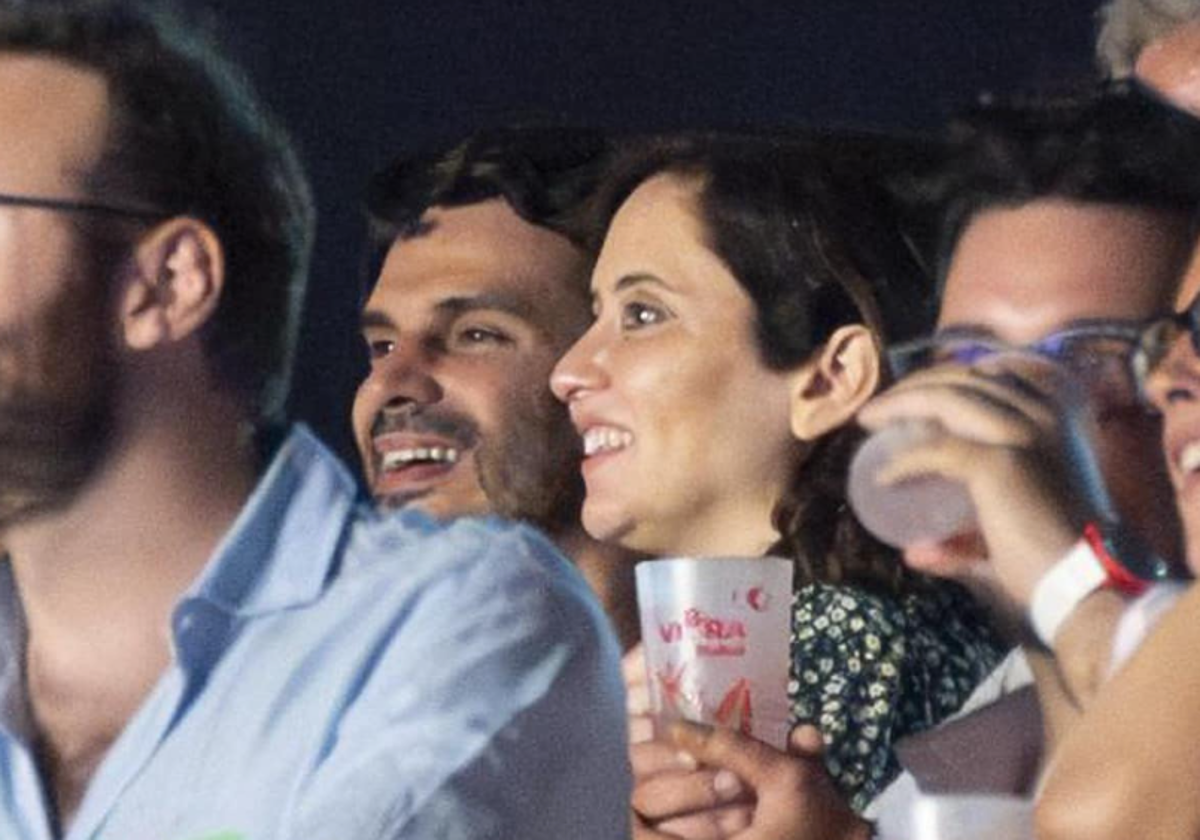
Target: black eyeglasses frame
x=1159, y=335
x=71, y=205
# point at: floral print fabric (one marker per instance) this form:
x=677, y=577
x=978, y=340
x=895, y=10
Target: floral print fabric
x=868, y=669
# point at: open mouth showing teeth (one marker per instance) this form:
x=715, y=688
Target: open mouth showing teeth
x=1189, y=458
x=398, y=459
x=598, y=440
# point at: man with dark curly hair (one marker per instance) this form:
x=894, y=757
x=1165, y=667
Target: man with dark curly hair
x=482, y=253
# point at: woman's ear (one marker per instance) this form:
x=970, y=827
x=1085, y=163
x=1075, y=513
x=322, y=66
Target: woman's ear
x=178, y=273
x=828, y=390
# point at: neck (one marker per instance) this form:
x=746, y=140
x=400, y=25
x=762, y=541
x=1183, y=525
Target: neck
x=608, y=569
x=99, y=577
x=738, y=530
x=136, y=535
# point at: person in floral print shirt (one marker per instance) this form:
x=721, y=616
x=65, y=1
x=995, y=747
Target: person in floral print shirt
x=868, y=669
x=737, y=332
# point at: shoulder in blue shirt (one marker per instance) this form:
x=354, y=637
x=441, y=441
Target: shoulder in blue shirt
x=340, y=674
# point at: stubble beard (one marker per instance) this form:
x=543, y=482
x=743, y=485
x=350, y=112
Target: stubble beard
x=57, y=378
x=530, y=470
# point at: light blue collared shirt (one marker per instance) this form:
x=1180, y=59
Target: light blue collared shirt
x=340, y=675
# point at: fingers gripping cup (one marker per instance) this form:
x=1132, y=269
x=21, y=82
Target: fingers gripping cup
x=716, y=634
x=915, y=510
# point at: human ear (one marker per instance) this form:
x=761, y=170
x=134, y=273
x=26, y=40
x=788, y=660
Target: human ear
x=828, y=390
x=177, y=276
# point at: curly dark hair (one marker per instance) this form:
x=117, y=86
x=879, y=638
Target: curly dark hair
x=809, y=228
x=188, y=136
x=546, y=175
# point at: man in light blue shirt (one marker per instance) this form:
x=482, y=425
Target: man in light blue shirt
x=197, y=645
x=316, y=691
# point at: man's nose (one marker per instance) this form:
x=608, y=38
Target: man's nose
x=405, y=376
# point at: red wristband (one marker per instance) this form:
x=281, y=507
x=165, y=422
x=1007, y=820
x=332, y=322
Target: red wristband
x=1119, y=577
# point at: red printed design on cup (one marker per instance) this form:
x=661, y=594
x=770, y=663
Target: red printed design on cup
x=716, y=633
x=670, y=687
x=734, y=710
x=710, y=635
x=759, y=599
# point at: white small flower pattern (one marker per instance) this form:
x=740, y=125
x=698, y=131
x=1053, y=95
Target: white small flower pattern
x=869, y=669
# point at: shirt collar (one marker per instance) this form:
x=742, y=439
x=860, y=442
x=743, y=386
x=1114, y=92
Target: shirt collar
x=280, y=550
x=15, y=718
x=279, y=553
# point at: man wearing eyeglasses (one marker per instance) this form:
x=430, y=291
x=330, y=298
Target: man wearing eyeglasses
x=1128, y=767
x=1051, y=281
x=204, y=632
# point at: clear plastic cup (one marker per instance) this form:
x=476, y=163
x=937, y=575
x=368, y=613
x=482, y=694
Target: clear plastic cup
x=716, y=632
x=916, y=510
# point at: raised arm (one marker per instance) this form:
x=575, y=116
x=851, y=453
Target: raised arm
x=1130, y=767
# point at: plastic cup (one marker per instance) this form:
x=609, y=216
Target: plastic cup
x=960, y=817
x=716, y=632
x=932, y=509
x=916, y=510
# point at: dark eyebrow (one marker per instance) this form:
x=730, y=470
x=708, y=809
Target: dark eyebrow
x=980, y=331
x=518, y=307
x=374, y=318
x=452, y=307
x=966, y=331
x=631, y=280
x=1084, y=323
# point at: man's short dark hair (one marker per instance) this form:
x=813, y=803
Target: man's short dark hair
x=545, y=174
x=188, y=136
x=1115, y=144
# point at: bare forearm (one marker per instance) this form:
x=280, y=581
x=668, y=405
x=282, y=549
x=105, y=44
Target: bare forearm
x=1083, y=647
x=1131, y=765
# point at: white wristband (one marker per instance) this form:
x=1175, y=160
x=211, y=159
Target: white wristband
x=1077, y=575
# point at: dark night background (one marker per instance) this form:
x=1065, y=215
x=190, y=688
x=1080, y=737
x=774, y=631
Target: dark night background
x=359, y=81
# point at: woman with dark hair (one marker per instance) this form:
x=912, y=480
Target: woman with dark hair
x=742, y=295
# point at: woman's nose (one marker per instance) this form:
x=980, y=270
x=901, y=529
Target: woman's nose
x=1177, y=376
x=578, y=371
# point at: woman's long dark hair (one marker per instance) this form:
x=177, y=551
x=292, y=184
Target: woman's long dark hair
x=809, y=230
